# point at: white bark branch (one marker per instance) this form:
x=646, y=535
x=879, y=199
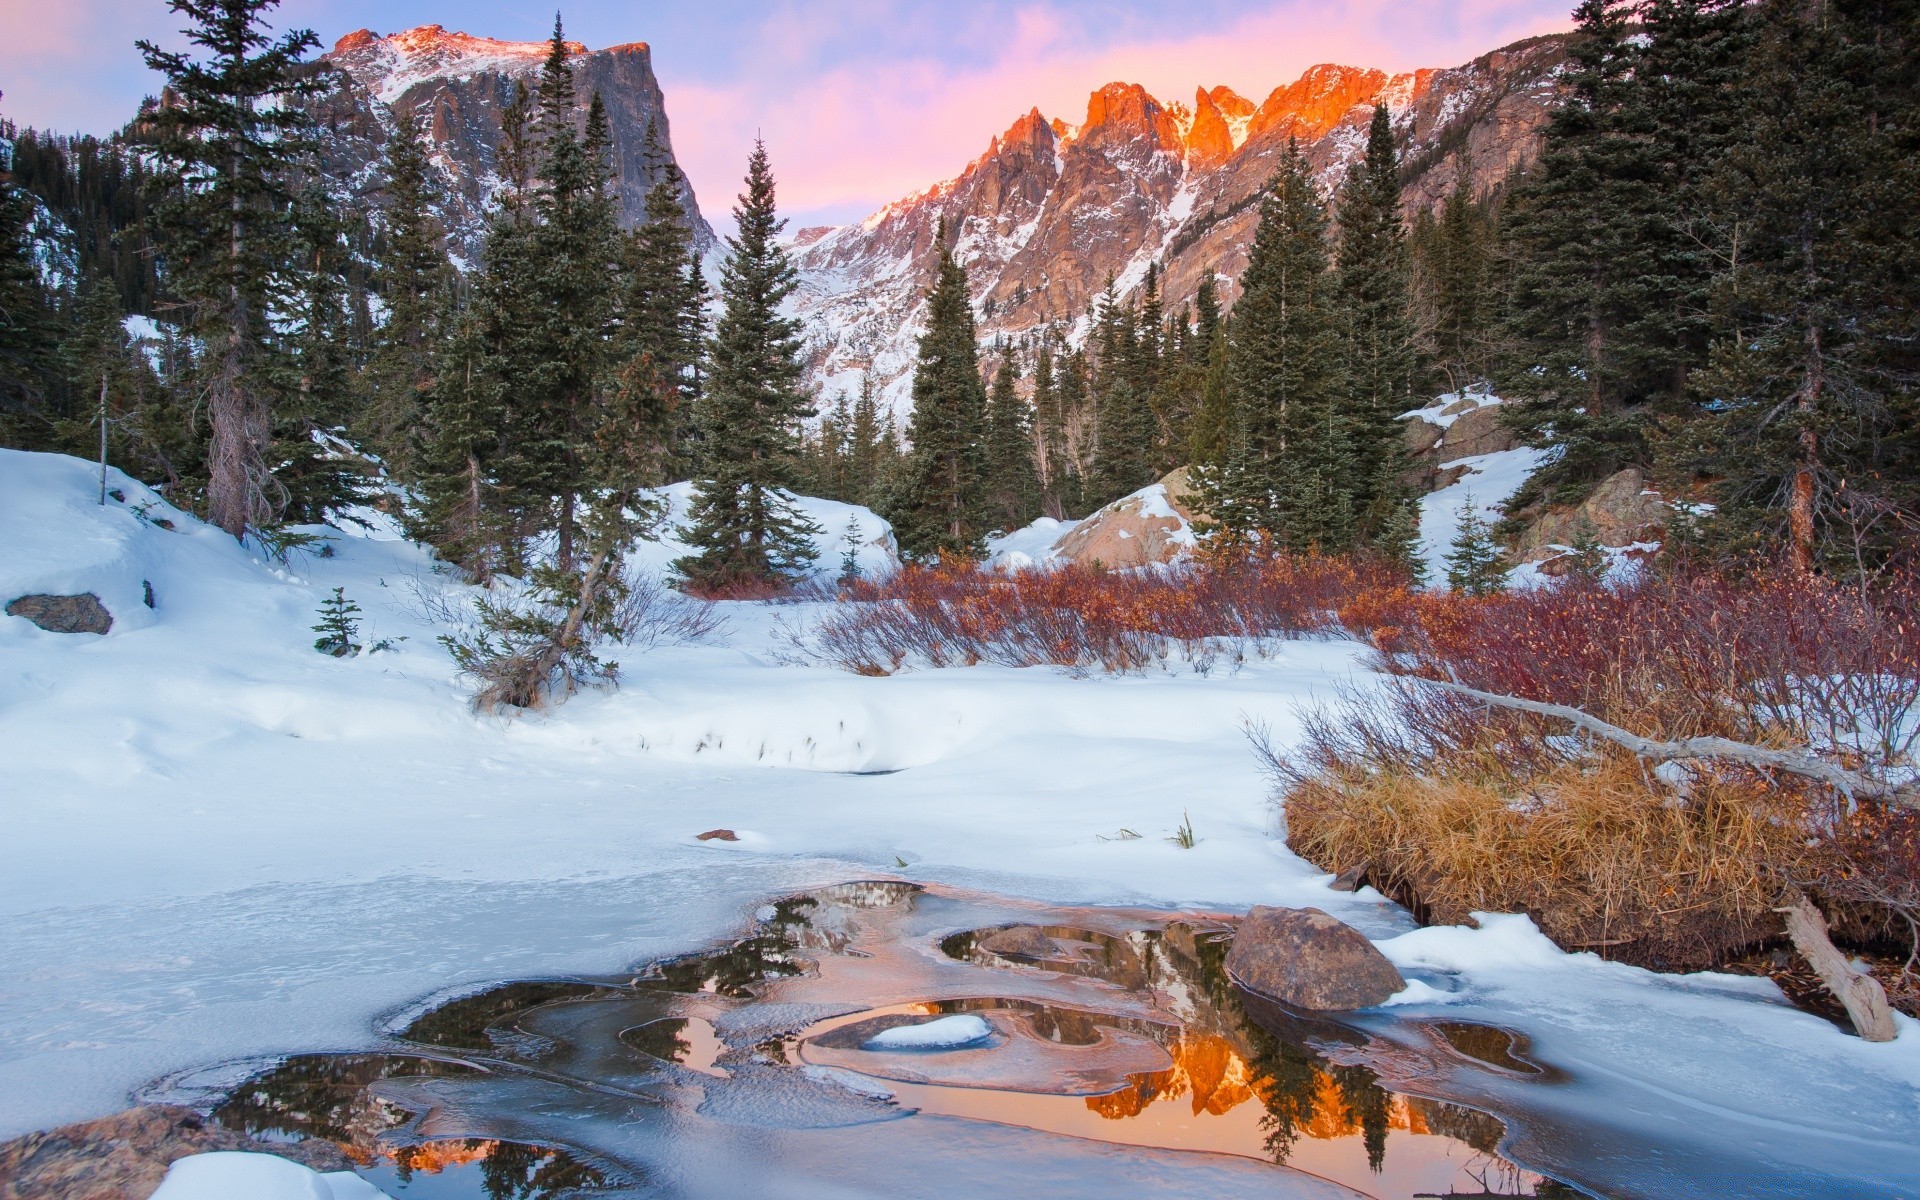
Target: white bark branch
x=1794, y=762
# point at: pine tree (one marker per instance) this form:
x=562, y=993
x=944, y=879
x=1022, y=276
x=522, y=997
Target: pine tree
x=1811, y=408
x=745, y=531
x=1012, y=481
x=1375, y=278
x=1285, y=478
x=29, y=330
x=1123, y=414
x=339, y=625
x=413, y=279
x=314, y=477
x=940, y=506
x=455, y=504
x=1050, y=435
x=661, y=323
x=869, y=445
x=1458, y=260
x=1473, y=561
x=229, y=141
x=1598, y=255
x=570, y=284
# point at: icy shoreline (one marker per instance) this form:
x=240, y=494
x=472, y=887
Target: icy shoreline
x=217, y=843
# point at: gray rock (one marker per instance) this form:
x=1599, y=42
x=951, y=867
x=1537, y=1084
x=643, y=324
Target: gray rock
x=1308, y=960
x=1023, y=940
x=64, y=614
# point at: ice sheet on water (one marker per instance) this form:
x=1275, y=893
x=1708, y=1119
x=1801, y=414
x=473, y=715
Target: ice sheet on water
x=941, y=1033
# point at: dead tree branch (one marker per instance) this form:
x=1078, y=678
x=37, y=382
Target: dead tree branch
x=1794, y=762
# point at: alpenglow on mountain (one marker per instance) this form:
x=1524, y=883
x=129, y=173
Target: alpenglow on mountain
x=1053, y=210
x=456, y=85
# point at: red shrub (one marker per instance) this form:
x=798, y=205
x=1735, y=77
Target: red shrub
x=958, y=615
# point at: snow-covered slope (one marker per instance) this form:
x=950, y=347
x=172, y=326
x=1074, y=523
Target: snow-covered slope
x=217, y=843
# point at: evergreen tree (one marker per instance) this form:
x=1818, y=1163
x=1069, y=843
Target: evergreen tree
x=1012, y=482
x=229, y=140
x=1609, y=281
x=570, y=285
x=1285, y=478
x=1123, y=414
x=413, y=279
x=1457, y=262
x=339, y=625
x=870, y=445
x=456, y=504
x=1375, y=280
x=1813, y=388
x=940, y=504
x=1473, y=561
x=29, y=331
x=662, y=325
x=745, y=531
x=1050, y=436
x=1071, y=388
x=314, y=475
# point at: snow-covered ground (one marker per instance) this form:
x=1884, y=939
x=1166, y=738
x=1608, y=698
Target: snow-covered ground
x=216, y=842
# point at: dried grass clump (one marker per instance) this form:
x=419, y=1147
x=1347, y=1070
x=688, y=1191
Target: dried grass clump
x=1456, y=804
x=1596, y=856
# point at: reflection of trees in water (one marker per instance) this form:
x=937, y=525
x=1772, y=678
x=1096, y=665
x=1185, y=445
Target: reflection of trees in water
x=661, y=1039
x=734, y=971
x=325, y=1096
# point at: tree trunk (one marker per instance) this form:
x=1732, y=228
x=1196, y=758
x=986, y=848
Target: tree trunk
x=1861, y=995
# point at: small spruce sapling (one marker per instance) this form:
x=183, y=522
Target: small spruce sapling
x=850, y=557
x=1587, y=559
x=1473, y=563
x=338, y=626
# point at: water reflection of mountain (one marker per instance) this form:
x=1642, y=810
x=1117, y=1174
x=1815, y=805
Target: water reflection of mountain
x=1223, y=1056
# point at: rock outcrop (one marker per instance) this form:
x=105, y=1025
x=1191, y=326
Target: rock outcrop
x=456, y=86
x=1622, y=512
x=1052, y=211
x=125, y=1156
x=1153, y=525
x=1308, y=960
x=64, y=614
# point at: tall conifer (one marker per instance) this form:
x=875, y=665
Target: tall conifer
x=939, y=506
x=230, y=141
x=745, y=531
x=1013, y=483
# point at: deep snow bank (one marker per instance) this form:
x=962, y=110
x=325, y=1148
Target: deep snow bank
x=215, y=842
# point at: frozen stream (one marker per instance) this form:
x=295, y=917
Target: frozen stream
x=885, y=1039
x=216, y=844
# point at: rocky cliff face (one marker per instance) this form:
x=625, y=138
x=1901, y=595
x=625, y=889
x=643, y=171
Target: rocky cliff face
x=1052, y=211
x=457, y=85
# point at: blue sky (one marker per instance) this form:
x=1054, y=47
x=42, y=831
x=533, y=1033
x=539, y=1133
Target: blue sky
x=861, y=101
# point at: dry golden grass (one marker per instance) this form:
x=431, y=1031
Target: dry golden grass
x=1601, y=854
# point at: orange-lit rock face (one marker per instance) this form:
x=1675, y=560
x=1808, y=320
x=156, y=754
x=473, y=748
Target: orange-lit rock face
x=1125, y=112
x=1210, y=138
x=1313, y=104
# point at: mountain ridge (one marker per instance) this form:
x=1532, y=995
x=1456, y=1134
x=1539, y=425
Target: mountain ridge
x=1051, y=211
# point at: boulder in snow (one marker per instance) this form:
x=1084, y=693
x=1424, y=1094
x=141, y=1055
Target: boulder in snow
x=1308, y=960
x=1153, y=525
x=1622, y=512
x=64, y=614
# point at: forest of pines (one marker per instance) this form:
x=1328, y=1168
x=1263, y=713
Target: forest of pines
x=1708, y=275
